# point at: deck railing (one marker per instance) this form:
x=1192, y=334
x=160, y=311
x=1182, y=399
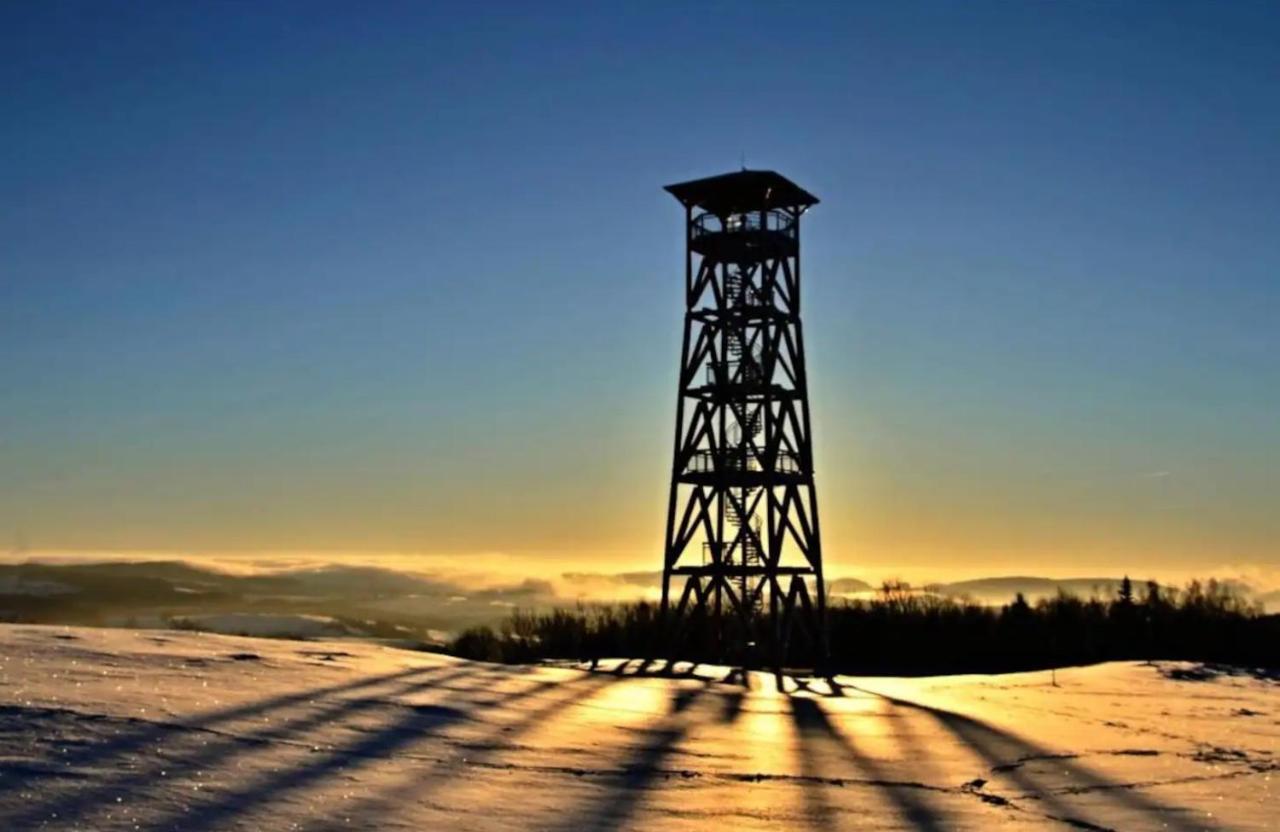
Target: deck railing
x=735, y=460
x=776, y=222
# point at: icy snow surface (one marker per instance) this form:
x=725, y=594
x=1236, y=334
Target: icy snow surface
x=124, y=730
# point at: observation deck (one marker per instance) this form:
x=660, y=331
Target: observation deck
x=749, y=236
x=745, y=215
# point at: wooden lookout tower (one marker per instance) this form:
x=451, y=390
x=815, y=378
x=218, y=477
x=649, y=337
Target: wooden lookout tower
x=743, y=549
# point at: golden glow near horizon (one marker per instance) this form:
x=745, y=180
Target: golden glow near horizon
x=903, y=502
x=591, y=577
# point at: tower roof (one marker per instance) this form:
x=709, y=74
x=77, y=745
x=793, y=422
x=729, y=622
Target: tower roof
x=743, y=190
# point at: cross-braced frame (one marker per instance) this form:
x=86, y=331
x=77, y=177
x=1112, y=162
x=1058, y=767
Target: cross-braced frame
x=743, y=545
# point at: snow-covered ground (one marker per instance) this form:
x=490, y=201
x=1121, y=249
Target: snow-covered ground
x=268, y=625
x=124, y=730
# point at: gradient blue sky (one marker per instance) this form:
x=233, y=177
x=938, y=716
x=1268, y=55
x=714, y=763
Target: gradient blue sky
x=401, y=278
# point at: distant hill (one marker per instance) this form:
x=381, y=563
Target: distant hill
x=847, y=586
x=625, y=583
x=114, y=591
x=162, y=592
x=153, y=580
x=1003, y=590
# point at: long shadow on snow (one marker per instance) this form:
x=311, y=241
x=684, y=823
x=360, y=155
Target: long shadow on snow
x=130, y=785
x=1008, y=752
x=152, y=732
x=484, y=752
x=644, y=767
x=816, y=732
x=422, y=722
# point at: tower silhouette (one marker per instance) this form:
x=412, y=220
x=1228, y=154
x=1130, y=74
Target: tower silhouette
x=743, y=546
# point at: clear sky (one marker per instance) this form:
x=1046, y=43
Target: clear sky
x=386, y=277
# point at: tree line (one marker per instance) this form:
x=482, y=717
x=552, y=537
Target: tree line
x=903, y=631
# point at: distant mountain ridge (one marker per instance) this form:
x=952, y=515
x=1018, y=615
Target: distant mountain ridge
x=34, y=586
x=1002, y=590
x=847, y=586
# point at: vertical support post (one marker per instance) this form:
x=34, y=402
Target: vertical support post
x=815, y=542
x=669, y=555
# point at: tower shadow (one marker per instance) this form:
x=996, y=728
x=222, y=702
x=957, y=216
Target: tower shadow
x=641, y=770
x=151, y=733
x=481, y=753
x=644, y=767
x=217, y=747
x=1006, y=753
x=820, y=738
x=419, y=723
